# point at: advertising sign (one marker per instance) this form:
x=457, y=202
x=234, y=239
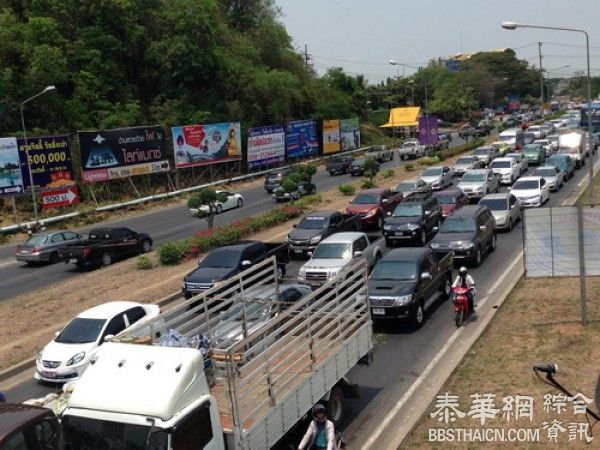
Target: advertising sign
x=350, y=134
x=197, y=145
x=50, y=160
x=11, y=178
x=122, y=153
x=266, y=146
x=331, y=136
x=61, y=197
x=301, y=139
x=428, y=130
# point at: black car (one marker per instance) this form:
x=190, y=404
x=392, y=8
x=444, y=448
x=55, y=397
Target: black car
x=358, y=167
x=273, y=179
x=337, y=165
x=469, y=232
x=414, y=220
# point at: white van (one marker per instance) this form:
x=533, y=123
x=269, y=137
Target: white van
x=513, y=137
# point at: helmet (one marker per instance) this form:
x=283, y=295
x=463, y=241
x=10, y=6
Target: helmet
x=319, y=407
x=2, y=398
x=462, y=270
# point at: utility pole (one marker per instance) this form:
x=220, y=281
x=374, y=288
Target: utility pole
x=541, y=78
x=306, y=57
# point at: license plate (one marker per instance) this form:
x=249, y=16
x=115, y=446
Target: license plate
x=73, y=260
x=297, y=250
x=49, y=374
x=378, y=311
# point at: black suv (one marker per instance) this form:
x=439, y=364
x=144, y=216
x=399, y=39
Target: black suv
x=469, y=232
x=339, y=164
x=273, y=179
x=413, y=220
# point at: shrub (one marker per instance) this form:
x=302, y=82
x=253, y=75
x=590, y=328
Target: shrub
x=308, y=201
x=389, y=173
x=409, y=167
x=145, y=263
x=429, y=161
x=171, y=253
x=367, y=184
x=347, y=189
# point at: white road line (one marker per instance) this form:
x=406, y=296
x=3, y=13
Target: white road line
x=417, y=383
x=586, y=178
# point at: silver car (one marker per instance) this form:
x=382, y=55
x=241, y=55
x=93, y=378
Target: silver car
x=438, y=177
x=410, y=187
x=520, y=159
x=479, y=182
x=486, y=154
x=505, y=208
x=465, y=163
x=553, y=176
x=43, y=247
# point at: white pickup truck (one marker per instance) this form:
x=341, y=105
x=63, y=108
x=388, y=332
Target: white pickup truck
x=245, y=393
x=336, y=253
x=412, y=149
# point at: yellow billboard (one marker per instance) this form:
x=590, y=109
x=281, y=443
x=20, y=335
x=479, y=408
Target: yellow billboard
x=331, y=136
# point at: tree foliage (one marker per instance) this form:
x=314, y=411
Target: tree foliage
x=205, y=202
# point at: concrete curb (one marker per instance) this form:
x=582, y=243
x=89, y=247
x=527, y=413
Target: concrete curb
x=29, y=364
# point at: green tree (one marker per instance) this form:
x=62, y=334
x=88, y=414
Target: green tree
x=205, y=202
x=371, y=168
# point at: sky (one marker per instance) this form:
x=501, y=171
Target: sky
x=362, y=37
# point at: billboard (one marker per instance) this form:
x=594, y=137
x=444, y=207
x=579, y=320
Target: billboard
x=331, y=136
x=50, y=160
x=301, y=139
x=198, y=145
x=266, y=146
x=428, y=130
x=11, y=178
x=122, y=153
x=350, y=134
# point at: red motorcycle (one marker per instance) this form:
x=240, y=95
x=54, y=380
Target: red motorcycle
x=460, y=298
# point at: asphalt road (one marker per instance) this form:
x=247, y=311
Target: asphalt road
x=401, y=353
x=168, y=224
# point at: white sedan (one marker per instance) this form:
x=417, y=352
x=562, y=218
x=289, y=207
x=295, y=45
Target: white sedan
x=67, y=356
x=234, y=200
x=531, y=191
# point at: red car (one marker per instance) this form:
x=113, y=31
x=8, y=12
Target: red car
x=450, y=200
x=372, y=205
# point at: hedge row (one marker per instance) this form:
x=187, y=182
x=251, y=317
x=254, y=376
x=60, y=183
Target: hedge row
x=174, y=252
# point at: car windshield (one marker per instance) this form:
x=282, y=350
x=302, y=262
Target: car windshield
x=458, y=225
x=500, y=165
x=465, y=160
x=394, y=271
x=36, y=240
x=542, y=172
x=516, y=156
x=81, y=331
x=495, y=204
x=407, y=210
x=481, y=151
x=332, y=251
x=365, y=199
x=273, y=176
x=222, y=258
x=406, y=186
x=312, y=223
x=526, y=184
x=529, y=148
x=94, y=434
x=507, y=138
x=358, y=162
x=557, y=160
x=446, y=199
x=432, y=172
x=473, y=176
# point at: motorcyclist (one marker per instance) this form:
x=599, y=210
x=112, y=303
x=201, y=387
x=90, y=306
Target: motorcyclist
x=321, y=433
x=463, y=279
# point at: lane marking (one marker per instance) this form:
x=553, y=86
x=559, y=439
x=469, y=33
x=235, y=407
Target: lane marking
x=417, y=383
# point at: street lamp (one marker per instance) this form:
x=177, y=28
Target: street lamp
x=509, y=25
x=31, y=185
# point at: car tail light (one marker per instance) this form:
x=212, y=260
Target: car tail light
x=36, y=249
x=517, y=147
x=86, y=252
x=18, y=249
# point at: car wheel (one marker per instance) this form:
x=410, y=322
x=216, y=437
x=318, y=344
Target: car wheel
x=389, y=242
x=418, y=318
x=53, y=258
x=335, y=406
x=219, y=209
x=279, y=274
x=240, y=202
x=106, y=260
x=379, y=223
x=510, y=224
x=423, y=237
x=447, y=288
x=477, y=257
x=146, y=246
x=494, y=243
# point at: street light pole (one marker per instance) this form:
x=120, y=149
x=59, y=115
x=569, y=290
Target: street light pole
x=513, y=26
x=541, y=79
x=31, y=185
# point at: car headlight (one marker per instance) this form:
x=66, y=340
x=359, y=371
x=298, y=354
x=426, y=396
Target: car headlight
x=315, y=239
x=387, y=227
x=183, y=285
x=478, y=189
x=371, y=213
x=77, y=358
x=462, y=244
x=333, y=273
x=402, y=300
x=435, y=245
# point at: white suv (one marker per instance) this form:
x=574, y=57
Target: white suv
x=507, y=169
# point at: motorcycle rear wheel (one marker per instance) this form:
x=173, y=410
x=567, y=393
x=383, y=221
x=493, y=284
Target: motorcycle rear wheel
x=458, y=318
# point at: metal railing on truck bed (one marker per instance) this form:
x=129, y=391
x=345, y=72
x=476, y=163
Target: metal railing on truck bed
x=270, y=361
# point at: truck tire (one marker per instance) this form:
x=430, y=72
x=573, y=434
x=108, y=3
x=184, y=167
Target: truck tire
x=335, y=405
x=418, y=316
x=106, y=259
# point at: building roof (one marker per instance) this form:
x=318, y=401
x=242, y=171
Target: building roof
x=403, y=117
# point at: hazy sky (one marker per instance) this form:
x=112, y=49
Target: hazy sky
x=362, y=36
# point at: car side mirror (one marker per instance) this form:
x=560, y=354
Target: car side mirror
x=384, y=201
x=246, y=263
x=425, y=276
x=389, y=213
x=309, y=254
x=482, y=227
x=427, y=213
x=294, y=226
x=436, y=229
x=56, y=334
x=358, y=254
x=108, y=337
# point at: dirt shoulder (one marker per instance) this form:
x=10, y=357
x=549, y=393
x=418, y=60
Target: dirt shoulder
x=539, y=322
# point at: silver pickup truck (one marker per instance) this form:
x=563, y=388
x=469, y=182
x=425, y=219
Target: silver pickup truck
x=412, y=149
x=337, y=252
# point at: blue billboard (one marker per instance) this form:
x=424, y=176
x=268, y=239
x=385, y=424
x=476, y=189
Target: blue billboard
x=301, y=139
